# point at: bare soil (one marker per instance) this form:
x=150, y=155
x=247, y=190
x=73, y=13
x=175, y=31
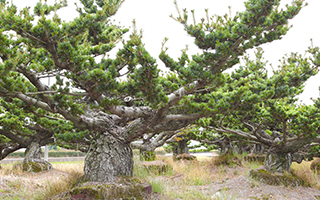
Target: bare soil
x=242, y=187
x=237, y=187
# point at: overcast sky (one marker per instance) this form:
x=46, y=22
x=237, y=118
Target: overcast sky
x=153, y=18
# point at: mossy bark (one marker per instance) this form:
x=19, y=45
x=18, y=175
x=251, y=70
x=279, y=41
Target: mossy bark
x=273, y=178
x=226, y=147
x=180, y=147
x=107, y=159
x=32, y=161
x=278, y=162
x=258, y=149
x=122, y=188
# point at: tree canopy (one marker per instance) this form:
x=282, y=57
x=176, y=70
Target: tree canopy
x=109, y=102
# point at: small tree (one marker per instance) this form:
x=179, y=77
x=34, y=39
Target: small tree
x=30, y=128
x=263, y=110
x=90, y=94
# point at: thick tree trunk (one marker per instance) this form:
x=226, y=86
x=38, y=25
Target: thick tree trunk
x=180, y=147
x=32, y=161
x=33, y=152
x=242, y=148
x=278, y=162
x=107, y=159
x=226, y=147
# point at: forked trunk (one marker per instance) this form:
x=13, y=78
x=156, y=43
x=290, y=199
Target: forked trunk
x=107, y=159
x=278, y=162
x=32, y=161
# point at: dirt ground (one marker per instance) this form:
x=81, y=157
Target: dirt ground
x=240, y=187
x=244, y=188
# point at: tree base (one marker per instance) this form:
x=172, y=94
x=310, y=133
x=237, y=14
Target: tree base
x=276, y=178
x=123, y=188
x=108, y=159
x=36, y=166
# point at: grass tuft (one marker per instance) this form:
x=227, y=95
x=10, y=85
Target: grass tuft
x=63, y=184
x=304, y=172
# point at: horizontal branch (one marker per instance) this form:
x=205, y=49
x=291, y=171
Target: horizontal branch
x=45, y=106
x=182, y=117
x=34, y=102
x=55, y=92
x=14, y=137
x=135, y=145
x=130, y=112
x=237, y=132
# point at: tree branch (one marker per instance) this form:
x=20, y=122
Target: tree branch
x=182, y=117
x=55, y=92
x=13, y=137
x=34, y=102
x=130, y=112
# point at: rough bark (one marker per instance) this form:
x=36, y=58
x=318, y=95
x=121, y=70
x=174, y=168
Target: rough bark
x=32, y=161
x=226, y=146
x=180, y=147
x=278, y=162
x=258, y=149
x=107, y=159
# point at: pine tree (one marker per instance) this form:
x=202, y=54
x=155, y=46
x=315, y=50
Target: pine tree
x=91, y=94
x=256, y=109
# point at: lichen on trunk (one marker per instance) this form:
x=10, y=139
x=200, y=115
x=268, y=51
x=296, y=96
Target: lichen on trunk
x=278, y=162
x=32, y=161
x=180, y=147
x=107, y=159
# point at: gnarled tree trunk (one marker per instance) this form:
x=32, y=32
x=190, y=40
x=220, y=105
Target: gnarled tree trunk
x=32, y=161
x=278, y=162
x=226, y=147
x=180, y=147
x=107, y=159
x=258, y=149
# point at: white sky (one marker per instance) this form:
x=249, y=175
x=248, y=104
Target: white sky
x=153, y=18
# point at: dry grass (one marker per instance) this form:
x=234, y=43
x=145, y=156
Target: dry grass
x=52, y=189
x=185, y=180
x=304, y=172
x=16, y=184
